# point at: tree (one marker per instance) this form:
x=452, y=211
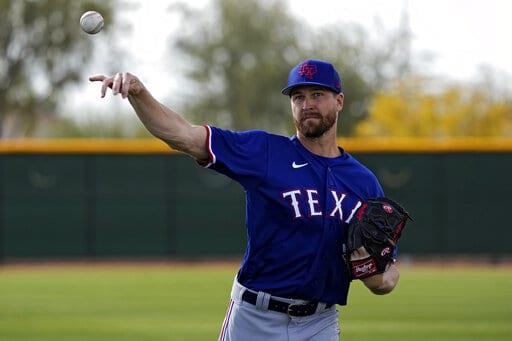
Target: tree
x=42, y=51
x=240, y=53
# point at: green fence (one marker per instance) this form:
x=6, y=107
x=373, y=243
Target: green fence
x=99, y=205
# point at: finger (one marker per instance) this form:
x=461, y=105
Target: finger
x=125, y=87
x=96, y=78
x=106, y=83
x=116, y=87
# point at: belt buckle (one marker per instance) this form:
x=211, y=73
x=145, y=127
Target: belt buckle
x=294, y=310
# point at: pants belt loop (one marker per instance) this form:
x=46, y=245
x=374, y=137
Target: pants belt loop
x=320, y=307
x=262, y=300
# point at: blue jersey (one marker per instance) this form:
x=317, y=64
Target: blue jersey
x=298, y=206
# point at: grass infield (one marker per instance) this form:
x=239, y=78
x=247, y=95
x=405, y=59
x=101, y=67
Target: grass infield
x=180, y=302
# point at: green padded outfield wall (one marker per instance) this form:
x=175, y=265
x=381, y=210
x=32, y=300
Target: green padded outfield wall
x=459, y=201
x=94, y=205
x=116, y=205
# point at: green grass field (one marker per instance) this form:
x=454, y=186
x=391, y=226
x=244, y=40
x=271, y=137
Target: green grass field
x=189, y=302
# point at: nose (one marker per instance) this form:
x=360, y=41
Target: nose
x=307, y=104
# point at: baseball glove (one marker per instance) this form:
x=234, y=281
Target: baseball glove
x=377, y=226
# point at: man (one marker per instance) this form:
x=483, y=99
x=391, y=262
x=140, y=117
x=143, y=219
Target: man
x=301, y=194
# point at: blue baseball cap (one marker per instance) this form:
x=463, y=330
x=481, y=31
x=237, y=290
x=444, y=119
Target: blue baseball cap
x=313, y=72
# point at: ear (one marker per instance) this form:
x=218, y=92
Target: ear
x=339, y=101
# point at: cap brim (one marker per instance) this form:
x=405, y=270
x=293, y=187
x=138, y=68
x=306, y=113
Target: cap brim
x=288, y=89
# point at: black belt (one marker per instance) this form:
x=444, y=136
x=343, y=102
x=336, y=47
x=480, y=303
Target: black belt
x=305, y=309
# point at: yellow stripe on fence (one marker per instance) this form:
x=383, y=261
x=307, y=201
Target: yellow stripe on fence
x=154, y=146
x=426, y=145
x=84, y=146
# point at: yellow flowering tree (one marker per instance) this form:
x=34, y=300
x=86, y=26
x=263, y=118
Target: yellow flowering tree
x=410, y=110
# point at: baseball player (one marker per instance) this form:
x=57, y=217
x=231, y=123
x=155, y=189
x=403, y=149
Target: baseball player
x=301, y=193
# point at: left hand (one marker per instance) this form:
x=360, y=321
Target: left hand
x=373, y=235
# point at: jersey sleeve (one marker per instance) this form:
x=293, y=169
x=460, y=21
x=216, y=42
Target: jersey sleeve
x=372, y=187
x=242, y=156
x=376, y=190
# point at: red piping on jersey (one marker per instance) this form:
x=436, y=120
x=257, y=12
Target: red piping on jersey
x=359, y=214
x=208, y=145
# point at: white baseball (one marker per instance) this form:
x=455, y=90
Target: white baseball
x=91, y=22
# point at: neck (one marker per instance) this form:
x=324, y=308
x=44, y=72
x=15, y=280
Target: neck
x=324, y=145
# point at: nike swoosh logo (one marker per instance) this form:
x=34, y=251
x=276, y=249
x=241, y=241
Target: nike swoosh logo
x=294, y=165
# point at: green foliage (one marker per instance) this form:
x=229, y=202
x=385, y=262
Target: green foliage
x=42, y=50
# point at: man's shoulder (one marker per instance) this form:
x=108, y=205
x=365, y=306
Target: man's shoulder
x=270, y=137
x=252, y=132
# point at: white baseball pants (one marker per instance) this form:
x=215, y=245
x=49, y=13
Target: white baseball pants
x=247, y=322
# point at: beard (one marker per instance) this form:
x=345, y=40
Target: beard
x=316, y=127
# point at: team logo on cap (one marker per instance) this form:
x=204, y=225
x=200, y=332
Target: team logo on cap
x=307, y=70
x=387, y=208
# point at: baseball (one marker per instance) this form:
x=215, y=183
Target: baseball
x=91, y=22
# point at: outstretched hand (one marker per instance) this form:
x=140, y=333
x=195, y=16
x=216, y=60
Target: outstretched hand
x=123, y=83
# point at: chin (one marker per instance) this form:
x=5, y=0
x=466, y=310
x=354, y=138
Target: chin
x=315, y=128
x=313, y=133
